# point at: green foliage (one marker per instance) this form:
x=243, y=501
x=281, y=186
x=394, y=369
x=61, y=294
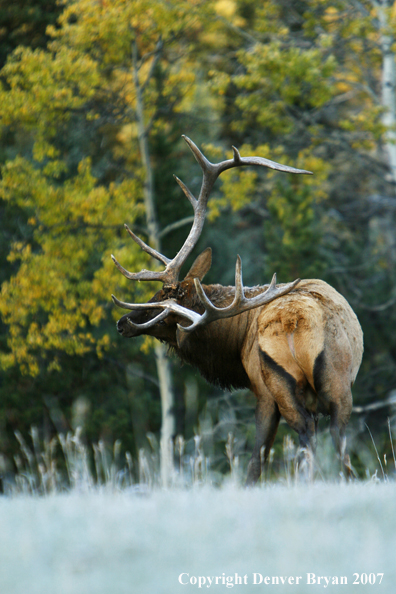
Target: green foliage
x=277, y=79
x=292, y=233
x=24, y=22
x=55, y=301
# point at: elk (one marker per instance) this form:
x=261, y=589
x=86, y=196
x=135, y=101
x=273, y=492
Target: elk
x=298, y=346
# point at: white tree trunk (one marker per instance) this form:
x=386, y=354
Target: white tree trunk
x=388, y=84
x=162, y=362
x=167, y=414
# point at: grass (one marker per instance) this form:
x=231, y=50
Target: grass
x=103, y=525
x=66, y=463
x=105, y=542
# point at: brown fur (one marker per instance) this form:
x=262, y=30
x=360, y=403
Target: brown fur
x=299, y=354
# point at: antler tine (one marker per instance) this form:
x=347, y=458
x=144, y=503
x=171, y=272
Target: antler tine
x=239, y=292
x=187, y=192
x=161, y=316
x=238, y=161
x=145, y=274
x=200, y=157
x=147, y=248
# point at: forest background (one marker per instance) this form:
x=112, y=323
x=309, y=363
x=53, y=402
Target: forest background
x=95, y=96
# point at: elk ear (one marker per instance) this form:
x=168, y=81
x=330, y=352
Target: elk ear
x=201, y=265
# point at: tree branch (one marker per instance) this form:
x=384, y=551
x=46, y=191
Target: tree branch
x=157, y=54
x=169, y=228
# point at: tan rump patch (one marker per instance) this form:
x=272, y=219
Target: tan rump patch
x=291, y=331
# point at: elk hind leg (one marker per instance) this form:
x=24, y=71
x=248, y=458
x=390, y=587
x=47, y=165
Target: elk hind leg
x=338, y=422
x=334, y=391
x=288, y=389
x=267, y=421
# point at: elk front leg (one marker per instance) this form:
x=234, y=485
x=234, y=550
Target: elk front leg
x=267, y=421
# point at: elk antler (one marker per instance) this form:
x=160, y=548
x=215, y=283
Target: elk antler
x=240, y=302
x=211, y=313
x=211, y=172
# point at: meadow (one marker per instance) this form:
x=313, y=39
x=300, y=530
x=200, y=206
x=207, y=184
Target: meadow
x=126, y=536
x=167, y=541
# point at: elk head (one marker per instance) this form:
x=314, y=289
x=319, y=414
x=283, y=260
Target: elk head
x=180, y=307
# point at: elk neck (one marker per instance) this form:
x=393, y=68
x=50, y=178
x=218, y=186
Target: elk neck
x=215, y=349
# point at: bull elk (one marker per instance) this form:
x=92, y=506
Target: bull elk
x=298, y=346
